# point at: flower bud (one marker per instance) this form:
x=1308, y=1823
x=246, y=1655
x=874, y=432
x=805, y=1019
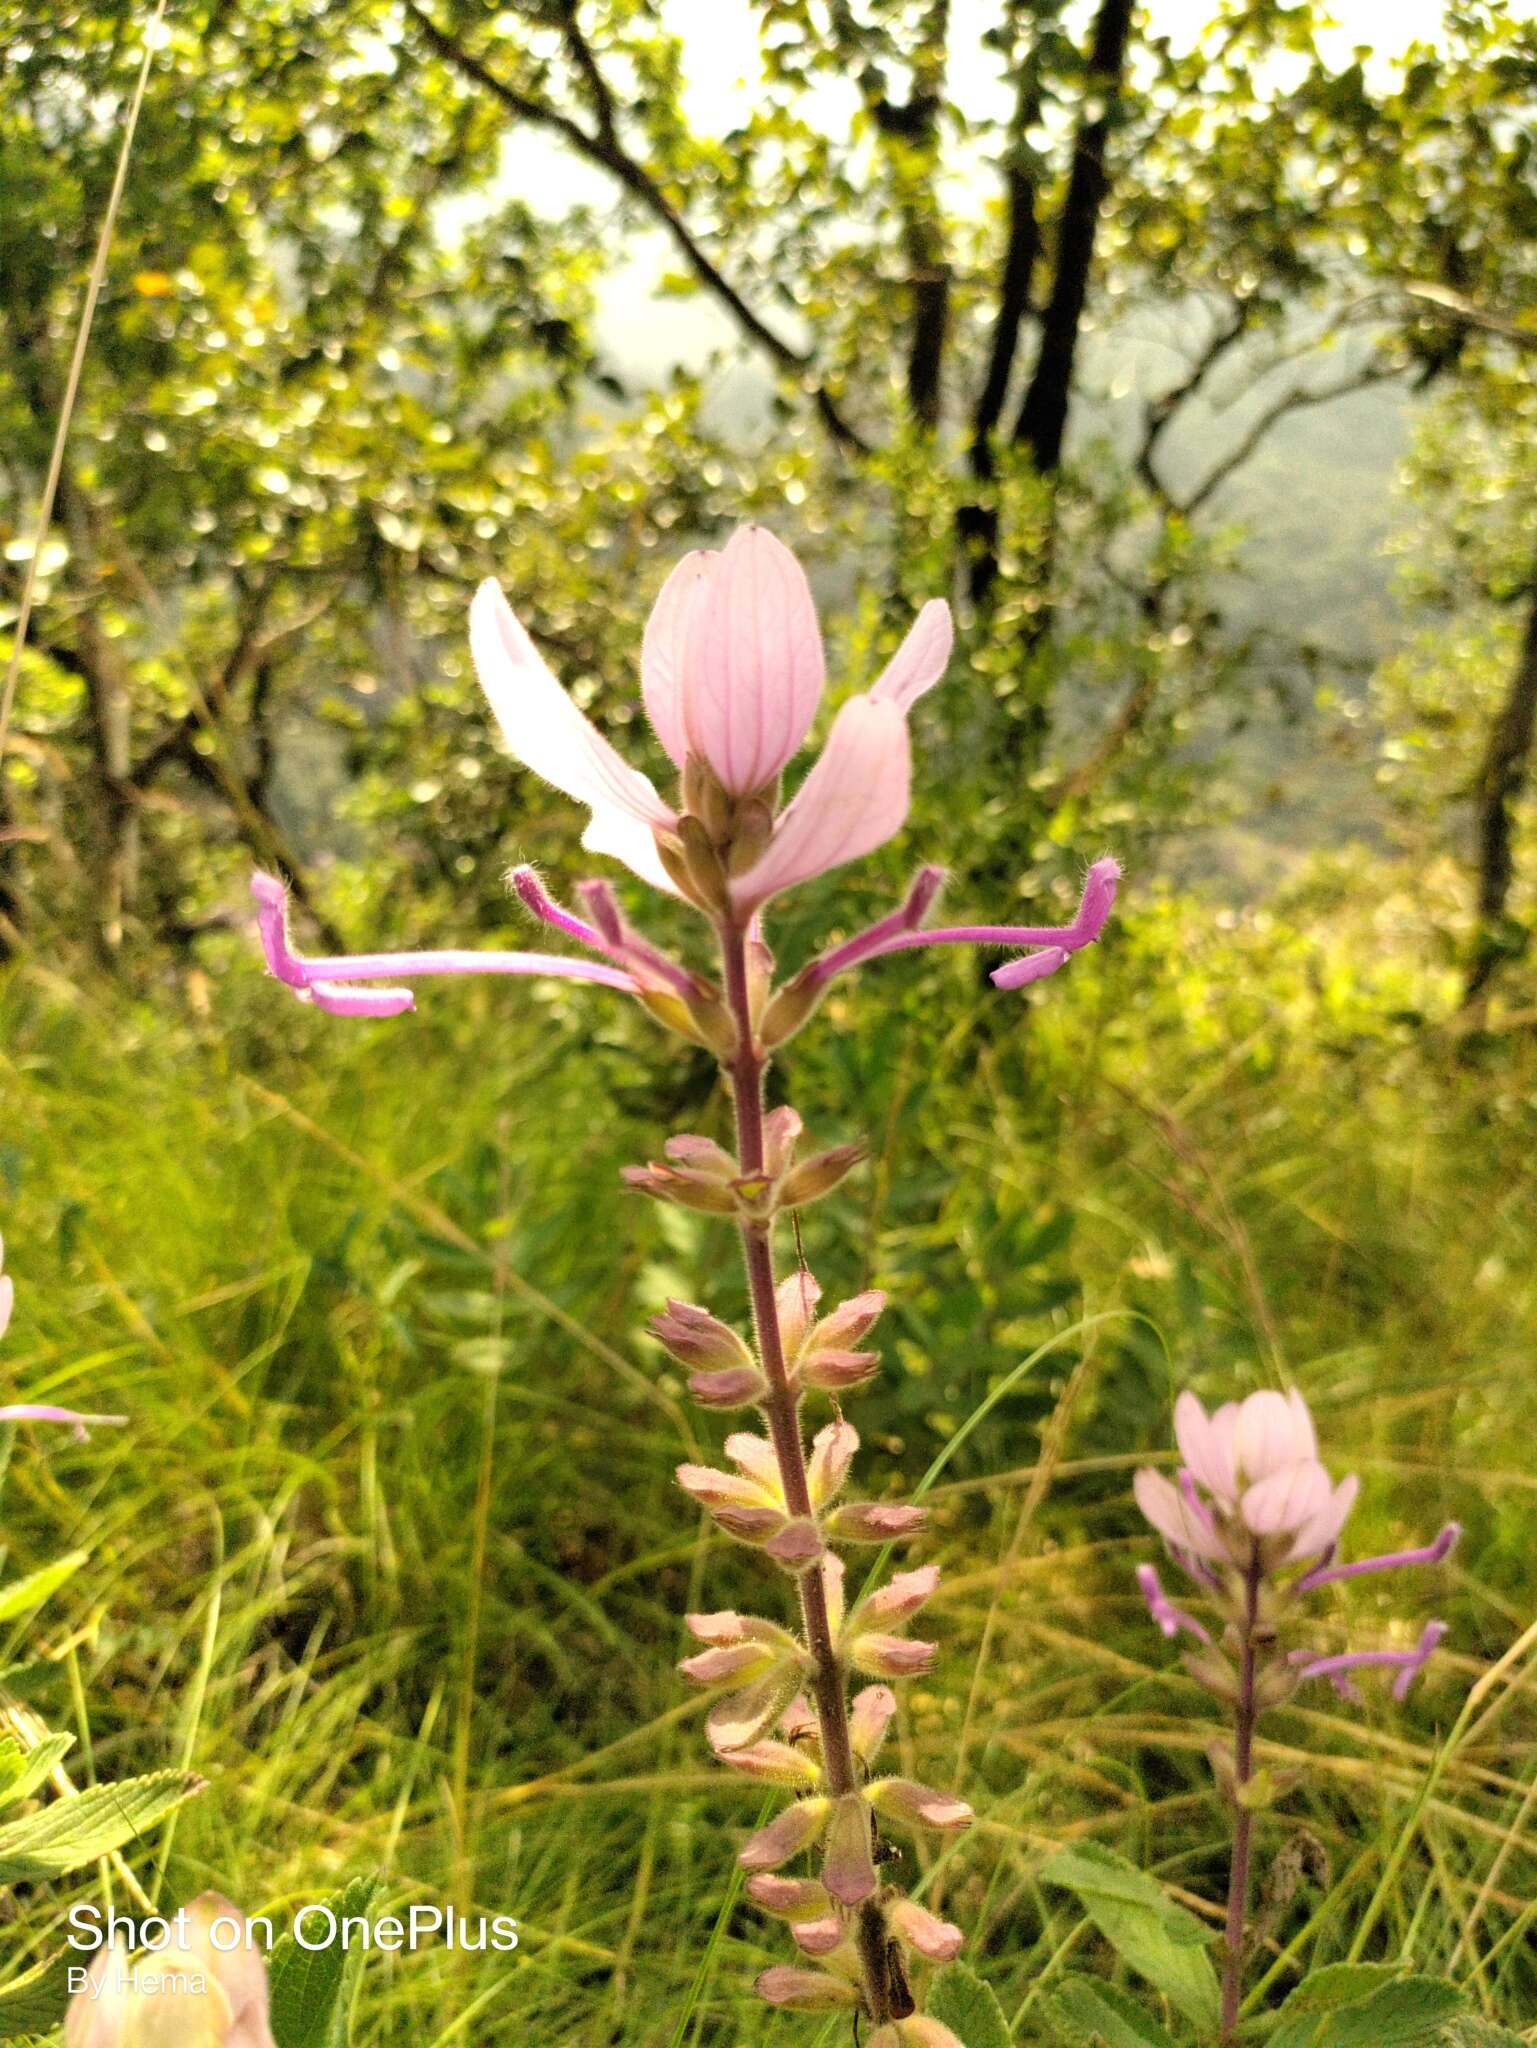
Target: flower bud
x=774, y=1763
x=696, y=1338
x=819, y=1937
x=850, y=1321
x=935, y=1939
x=782, y=1128
x=796, y=1297
x=788, y=1009
x=688, y=1191
x=918, y=2032
x=838, y=1372
x=805, y=1990
x=832, y=1453
x=789, y=1898
x=917, y=1806
x=901, y=1597
x=703, y=867
x=880, y=1656
x=744, y=1386
x=786, y=1835
x=741, y=1717
x=819, y=1176
x=874, y=1521
x=797, y=1545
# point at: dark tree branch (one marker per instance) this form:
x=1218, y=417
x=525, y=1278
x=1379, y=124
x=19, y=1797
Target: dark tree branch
x=1463, y=310
x=605, y=148
x=1501, y=776
x=1042, y=419
x=1271, y=416
x=1164, y=410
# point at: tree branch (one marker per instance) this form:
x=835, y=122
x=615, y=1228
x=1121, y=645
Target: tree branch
x=605, y=148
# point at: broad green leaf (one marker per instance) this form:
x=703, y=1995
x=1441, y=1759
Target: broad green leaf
x=312, y=1987
x=23, y=1770
x=968, y=2005
x=24, y=1594
x=1470, y=2030
x=1366, y=2006
x=1089, y=2014
x=1160, y=1940
x=35, y=2001
x=71, y=1833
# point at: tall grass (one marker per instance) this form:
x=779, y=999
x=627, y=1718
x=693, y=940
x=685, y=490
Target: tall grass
x=391, y=1550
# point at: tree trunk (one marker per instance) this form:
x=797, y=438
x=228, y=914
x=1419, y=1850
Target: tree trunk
x=1501, y=776
x=1042, y=419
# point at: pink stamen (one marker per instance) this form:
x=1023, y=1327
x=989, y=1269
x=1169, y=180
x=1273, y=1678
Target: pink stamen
x=1170, y=1619
x=1407, y=1663
x=1328, y=1573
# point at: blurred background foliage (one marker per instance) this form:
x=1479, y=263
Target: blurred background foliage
x=1191, y=354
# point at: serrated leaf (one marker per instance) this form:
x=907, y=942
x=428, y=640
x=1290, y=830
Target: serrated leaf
x=35, y=2001
x=1089, y=2014
x=71, y=1833
x=24, y=1594
x=1161, y=1941
x=968, y=2005
x=311, y=1988
x=23, y=1770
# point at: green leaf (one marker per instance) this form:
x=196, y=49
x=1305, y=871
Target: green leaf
x=1160, y=1940
x=1090, y=2014
x=23, y=1770
x=1470, y=2030
x=1369, y=2006
x=36, y=1587
x=968, y=2005
x=35, y=2001
x=311, y=1988
x=73, y=1832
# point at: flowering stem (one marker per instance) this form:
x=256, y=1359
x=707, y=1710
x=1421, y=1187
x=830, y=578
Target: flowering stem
x=1243, y=1819
x=781, y=1406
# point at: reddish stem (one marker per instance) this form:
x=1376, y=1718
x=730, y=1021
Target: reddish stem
x=1243, y=1819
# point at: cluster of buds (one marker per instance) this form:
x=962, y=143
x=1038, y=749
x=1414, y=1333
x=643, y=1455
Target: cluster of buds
x=761, y=1722
x=696, y=1173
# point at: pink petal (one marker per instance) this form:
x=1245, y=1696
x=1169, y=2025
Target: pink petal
x=727, y=1660
x=882, y=1656
x=855, y=797
x=1287, y=1500
x=1171, y=1515
x=632, y=843
x=797, y=1297
x=851, y=1319
x=546, y=731
x=1208, y=1451
x=1274, y=1430
x=875, y=1521
x=714, y=1489
x=752, y=670
x=664, y=646
x=1323, y=1531
x=921, y=660
x=7, y=1301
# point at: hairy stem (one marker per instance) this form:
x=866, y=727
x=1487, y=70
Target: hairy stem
x=1243, y=1819
x=782, y=1407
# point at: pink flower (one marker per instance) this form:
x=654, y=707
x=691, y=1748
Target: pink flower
x=1251, y=1473
x=190, y=1991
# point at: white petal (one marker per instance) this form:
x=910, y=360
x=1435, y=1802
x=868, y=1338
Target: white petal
x=663, y=649
x=921, y=660
x=855, y=797
x=542, y=726
x=626, y=839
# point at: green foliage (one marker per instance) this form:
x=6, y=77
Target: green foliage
x=1089, y=2014
x=1352, y=2007
x=71, y=1833
x=312, y=1987
x=968, y=2005
x=1160, y=1940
